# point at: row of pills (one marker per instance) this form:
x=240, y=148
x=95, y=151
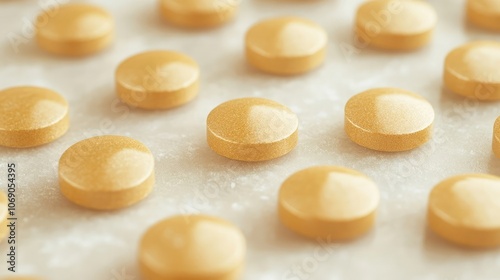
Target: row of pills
x=326, y=202
x=81, y=29
x=246, y=129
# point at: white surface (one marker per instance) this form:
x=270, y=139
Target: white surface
x=62, y=241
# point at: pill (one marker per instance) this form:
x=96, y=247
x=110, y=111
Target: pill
x=31, y=116
x=465, y=210
x=74, y=30
x=252, y=129
x=3, y=215
x=106, y=172
x=286, y=45
x=484, y=13
x=471, y=70
x=395, y=24
x=198, y=13
x=192, y=247
x=388, y=119
x=328, y=202
x=157, y=80
x=496, y=138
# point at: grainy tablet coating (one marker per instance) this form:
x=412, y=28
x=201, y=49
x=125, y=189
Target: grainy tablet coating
x=106, y=172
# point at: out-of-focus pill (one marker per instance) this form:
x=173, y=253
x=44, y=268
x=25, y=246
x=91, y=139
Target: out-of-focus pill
x=465, y=210
x=484, y=13
x=74, y=30
x=252, y=129
x=388, y=119
x=192, y=247
x=328, y=202
x=496, y=138
x=3, y=215
x=395, y=24
x=198, y=13
x=31, y=116
x=286, y=45
x=106, y=172
x=471, y=70
x=157, y=80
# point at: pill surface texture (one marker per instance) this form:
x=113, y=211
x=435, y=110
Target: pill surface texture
x=106, y=172
x=157, y=80
x=252, y=129
x=3, y=215
x=496, y=138
x=192, y=247
x=328, y=202
x=198, y=13
x=74, y=30
x=465, y=210
x=31, y=116
x=472, y=70
x=286, y=45
x=388, y=119
x=395, y=24
x=484, y=13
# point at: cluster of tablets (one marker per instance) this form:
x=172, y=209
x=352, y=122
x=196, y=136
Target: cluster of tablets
x=328, y=202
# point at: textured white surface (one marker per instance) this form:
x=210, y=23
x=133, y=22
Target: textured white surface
x=62, y=241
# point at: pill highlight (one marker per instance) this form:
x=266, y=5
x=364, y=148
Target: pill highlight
x=74, y=30
x=252, y=129
x=286, y=45
x=471, y=70
x=464, y=210
x=192, y=247
x=31, y=116
x=388, y=119
x=328, y=202
x=157, y=80
x=106, y=172
x=395, y=24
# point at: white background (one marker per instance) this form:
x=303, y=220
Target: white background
x=62, y=241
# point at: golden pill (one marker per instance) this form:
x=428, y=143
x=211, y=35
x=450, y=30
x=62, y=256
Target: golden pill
x=74, y=30
x=157, y=80
x=484, y=13
x=198, y=13
x=252, y=129
x=31, y=116
x=496, y=138
x=3, y=215
x=465, y=210
x=192, y=247
x=388, y=119
x=472, y=70
x=328, y=202
x=106, y=172
x=286, y=45
x=395, y=24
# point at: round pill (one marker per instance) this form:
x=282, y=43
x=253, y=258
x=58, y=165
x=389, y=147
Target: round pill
x=157, y=80
x=252, y=129
x=471, y=70
x=465, y=210
x=106, y=172
x=388, y=119
x=286, y=45
x=328, y=202
x=484, y=13
x=192, y=247
x=395, y=25
x=74, y=30
x=496, y=138
x=198, y=13
x=3, y=215
x=31, y=116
